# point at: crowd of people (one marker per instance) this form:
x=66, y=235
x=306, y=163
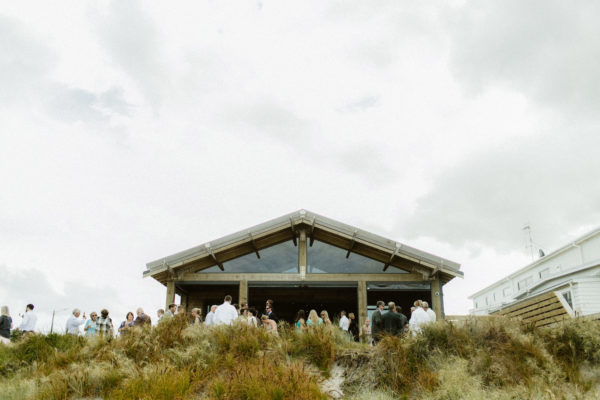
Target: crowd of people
x=382, y=322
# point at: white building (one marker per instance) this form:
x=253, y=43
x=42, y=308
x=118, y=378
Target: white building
x=571, y=272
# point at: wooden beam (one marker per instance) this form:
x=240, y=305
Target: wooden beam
x=362, y=303
x=267, y=277
x=243, y=297
x=212, y=255
x=352, y=244
x=310, y=233
x=387, y=264
x=302, y=254
x=184, y=302
x=293, y=226
x=437, y=298
x=170, y=293
x=254, y=244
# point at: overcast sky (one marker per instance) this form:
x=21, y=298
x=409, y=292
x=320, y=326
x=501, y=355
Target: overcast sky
x=133, y=130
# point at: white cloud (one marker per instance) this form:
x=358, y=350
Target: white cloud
x=546, y=49
x=546, y=181
x=135, y=130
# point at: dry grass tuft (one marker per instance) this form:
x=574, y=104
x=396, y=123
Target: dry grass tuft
x=495, y=359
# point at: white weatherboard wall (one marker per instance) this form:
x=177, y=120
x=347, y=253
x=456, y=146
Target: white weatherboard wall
x=587, y=296
x=572, y=270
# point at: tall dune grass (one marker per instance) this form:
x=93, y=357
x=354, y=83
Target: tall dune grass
x=492, y=359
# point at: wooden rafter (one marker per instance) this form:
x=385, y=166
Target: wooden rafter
x=352, y=243
x=434, y=272
x=212, y=255
x=310, y=233
x=394, y=254
x=253, y=243
x=294, y=233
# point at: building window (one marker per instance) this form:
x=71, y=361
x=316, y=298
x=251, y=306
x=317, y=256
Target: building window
x=494, y=296
x=525, y=283
x=476, y=305
x=506, y=291
x=280, y=258
x=568, y=298
x=544, y=273
x=486, y=301
x=323, y=258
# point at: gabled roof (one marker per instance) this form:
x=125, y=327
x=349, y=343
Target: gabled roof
x=287, y=227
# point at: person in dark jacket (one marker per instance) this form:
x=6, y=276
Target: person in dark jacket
x=392, y=322
x=5, y=325
x=377, y=322
x=142, y=318
x=269, y=311
x=403, y=320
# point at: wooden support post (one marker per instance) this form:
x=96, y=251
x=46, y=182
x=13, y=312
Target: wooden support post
x=437, y=298
x=185, y=302
x=302, y=256
x=362, y=303
x=170, y=293
x=243, y=298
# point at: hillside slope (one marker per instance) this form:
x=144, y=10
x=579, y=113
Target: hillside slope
x=495, y=359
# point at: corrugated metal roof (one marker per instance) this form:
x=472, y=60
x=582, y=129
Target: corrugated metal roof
x=302, y=217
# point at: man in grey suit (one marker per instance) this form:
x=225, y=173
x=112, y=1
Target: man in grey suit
x=377, y=327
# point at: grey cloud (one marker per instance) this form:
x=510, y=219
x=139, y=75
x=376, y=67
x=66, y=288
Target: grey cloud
x=366, y=161
x=549, y=50
x=71, y=105
x=24, y=61
x=361, y=104
x=113, y=100
x=276, y=122
x=550, y=182
x=271, y=120
x=131, y=40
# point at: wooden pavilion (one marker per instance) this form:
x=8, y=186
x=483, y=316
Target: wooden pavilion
x=305, y=261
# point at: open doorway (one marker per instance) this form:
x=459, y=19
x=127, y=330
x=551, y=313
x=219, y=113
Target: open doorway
x=205, y=295
x=288, y=300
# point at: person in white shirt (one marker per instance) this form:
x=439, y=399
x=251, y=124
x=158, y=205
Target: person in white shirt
x=210, y=317
x=429, y=311
x=418, y=318
x=29, y=319
x=225, y=313
x=252, y=321
x=73, y=322
x=344, y=321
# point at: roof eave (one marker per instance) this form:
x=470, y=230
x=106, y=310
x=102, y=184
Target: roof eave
x=301, y=217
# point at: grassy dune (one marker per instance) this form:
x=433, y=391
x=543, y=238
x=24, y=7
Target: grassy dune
x=494, y=359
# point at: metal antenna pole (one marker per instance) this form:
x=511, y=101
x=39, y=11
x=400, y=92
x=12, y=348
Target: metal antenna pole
x=528, y=229
x=52, y=323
